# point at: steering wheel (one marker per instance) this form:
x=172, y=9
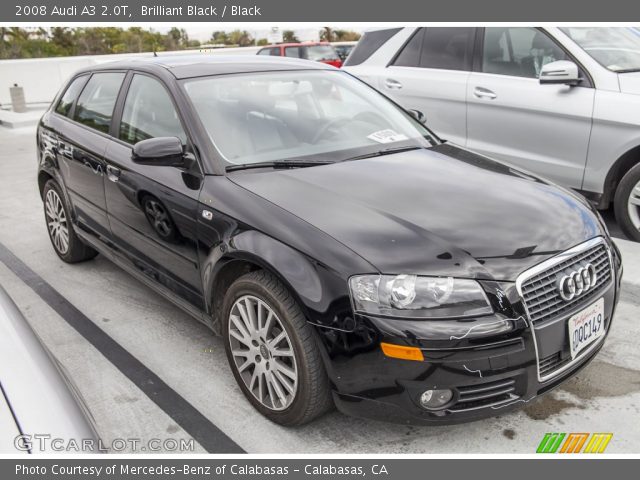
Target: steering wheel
x=372, y=117
x=328, y=126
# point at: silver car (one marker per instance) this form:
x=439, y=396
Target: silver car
x=563, y=103
x=40, y=409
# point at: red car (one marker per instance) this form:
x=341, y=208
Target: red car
x=318, y=51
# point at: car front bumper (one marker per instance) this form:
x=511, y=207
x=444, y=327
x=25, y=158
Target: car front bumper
x=488, y=374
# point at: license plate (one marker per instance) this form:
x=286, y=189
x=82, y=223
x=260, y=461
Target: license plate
x=586, y=326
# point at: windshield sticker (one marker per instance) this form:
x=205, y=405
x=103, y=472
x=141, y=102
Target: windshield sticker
x=387, y=136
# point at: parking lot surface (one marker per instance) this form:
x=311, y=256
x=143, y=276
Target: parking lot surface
x=189, y=391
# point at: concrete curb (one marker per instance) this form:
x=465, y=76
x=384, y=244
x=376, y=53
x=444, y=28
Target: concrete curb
x=12, y=119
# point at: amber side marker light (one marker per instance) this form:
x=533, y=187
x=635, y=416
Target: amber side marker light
x=402, y=352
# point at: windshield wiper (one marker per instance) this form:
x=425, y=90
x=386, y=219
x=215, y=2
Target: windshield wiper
x=276, y=164
x=385, y=151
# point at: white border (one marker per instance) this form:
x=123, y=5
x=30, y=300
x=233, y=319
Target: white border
x=316, y=456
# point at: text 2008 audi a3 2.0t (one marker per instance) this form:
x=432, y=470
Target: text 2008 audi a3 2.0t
x=345, y=254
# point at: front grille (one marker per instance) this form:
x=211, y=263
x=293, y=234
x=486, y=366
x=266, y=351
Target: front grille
x=540, y=293
x=551, y=363
x=485, y=395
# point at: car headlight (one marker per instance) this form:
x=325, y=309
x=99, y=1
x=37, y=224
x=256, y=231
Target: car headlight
x=413, y=296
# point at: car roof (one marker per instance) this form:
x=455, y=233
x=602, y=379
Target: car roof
x=198, y=65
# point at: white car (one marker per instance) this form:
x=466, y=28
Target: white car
x=563, y=103
x=40, y=409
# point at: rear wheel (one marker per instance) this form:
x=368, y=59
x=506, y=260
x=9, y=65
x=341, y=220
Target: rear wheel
x=64, y=240
x=272, y=352
x=627, y=203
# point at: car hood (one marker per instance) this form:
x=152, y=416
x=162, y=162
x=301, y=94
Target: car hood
x=630, y=82
x=438, y=211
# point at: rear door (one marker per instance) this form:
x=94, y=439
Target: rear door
x=152, y=210
x=511, y=117
x=430, y=74
x=82, y=127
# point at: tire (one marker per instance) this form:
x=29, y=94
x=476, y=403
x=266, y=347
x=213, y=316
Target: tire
x=628, y=213
x=63, y=238
x=311, y=396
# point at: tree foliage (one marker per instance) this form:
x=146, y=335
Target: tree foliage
x=289, y=36
x=328, y=34
x=16, y=42
x=63, y=41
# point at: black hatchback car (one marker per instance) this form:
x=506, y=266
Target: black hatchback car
x=345, y=254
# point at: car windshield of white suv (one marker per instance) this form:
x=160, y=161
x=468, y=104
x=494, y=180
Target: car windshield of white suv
x=313, y=116
x=616, y=48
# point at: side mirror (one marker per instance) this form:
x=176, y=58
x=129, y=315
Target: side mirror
x=560, y=72
x=418, y=115
x=159, y=151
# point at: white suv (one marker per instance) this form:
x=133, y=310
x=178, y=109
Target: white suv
x=561, y=102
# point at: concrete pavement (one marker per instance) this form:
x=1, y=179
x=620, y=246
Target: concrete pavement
x=605, y=397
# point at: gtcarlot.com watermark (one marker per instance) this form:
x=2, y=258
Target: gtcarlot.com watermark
x=48, y=443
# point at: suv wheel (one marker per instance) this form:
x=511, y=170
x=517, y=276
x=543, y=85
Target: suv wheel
x=272, y=351
x=64, y=240
x=627, y=203
x=159, y=218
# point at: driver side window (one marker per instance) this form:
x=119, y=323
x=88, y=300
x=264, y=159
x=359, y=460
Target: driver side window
x=149, y=112
x=518, y=51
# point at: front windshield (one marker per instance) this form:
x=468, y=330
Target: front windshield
x=616, y=48
x=309, y=115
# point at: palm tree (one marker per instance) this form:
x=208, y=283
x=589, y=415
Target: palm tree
x=326, y=34
x=289, y=36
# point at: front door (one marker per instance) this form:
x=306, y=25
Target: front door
x=153, y=209
x=512, y=117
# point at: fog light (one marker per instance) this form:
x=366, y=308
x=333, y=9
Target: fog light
x=435, y=398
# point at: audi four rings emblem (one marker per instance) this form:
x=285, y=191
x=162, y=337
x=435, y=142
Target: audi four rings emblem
x=576, y=282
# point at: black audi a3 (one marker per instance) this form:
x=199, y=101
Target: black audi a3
x=346, y=255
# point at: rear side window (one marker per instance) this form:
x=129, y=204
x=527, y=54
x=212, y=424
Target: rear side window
x=292, y=52
x=369, y=44
x=95, y=105
x=409, y=56
x=445, y=48
x=273, y=51
x=149, y=112
x=70, y=95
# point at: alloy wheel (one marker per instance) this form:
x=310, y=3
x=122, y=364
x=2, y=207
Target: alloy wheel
x=57, y=222
x=158, y=217
x=634, y=206
x=263, y=353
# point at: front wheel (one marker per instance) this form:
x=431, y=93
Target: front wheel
x=627, y=203
x=272, y=352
